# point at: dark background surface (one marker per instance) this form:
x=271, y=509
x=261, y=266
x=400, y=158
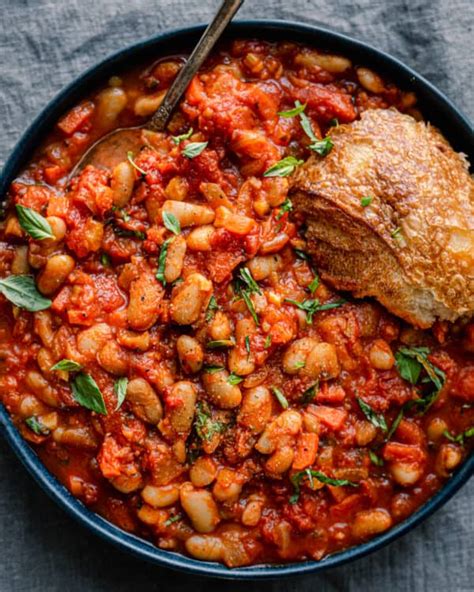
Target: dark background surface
x=44, y=44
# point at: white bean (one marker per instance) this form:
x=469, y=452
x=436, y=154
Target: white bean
x=200, y=507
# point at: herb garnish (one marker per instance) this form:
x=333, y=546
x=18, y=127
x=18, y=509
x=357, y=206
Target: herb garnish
x=375, y=419
x=206, y=428
x=172, y=519
x=21, y=291
x=213, y=369
x=33, y=223
x=366, y=201
x=314, y=284
x=132, y=162
x=160, y=272
x=299, y=108
x=247, y=345
x=220, y=343
x=86, y=392
x=374, y=459
x=280, y=397
x=234, y=379
x=36, y=426
x=194, y=149
x=309, y=394
x=460, y=438
x=181, y=137
x=120, y=389
x=311, y=306
x=321, y=147
x=284, y=167
x=105, y=260
x=67, y=365
x=211, y=308
x=396, y=233
x=244, y=286
x=268, y=341
x=171, y=222
x=310, y=474
x=285, y=207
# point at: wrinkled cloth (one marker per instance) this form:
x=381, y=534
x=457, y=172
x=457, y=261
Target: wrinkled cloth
x=44, y=44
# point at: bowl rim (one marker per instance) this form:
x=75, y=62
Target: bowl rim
x=323, y=37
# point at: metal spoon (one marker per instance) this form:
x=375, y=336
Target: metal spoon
x=113, y=147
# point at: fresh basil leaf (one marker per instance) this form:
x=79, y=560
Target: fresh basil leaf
x=395, y=424
x=212, y=307
x=313, y=306
x=302, y=255
x=220, y=343
x=366, y=201
x=234, y=379
x=460, y=438
x=36, y=426
x=171, y=222
x=132, y=162
x=86, y=392
x=120, y=389
x=160, y=272
x=213, y=369
x=194, y=149
x=21, y=291
x=374, y=459
x=33, y=223
x=297, y=478
x=172, y=519
x=247, y=345
x=309, y=394
x=299, y=108
x=285, y=207
x=67, y=365
x=180, y=138
x=375, y=419
x=322, y=147
x=204, y=424
x=313, y=286
x=307, y=127
x=280, y=397
x=408, y=367
x=283, y=167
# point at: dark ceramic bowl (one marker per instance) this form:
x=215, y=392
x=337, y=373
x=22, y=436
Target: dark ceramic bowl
x=436, y=108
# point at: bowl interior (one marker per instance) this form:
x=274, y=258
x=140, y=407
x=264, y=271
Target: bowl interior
x=435, y=107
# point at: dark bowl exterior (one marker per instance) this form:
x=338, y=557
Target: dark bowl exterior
x=436, y=108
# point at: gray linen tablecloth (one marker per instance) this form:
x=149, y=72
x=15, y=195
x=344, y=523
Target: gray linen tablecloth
x=44, y=44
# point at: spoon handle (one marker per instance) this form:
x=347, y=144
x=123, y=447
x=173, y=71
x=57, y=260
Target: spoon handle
x=214, y=30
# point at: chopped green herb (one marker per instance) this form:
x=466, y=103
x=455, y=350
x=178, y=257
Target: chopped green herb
x=206, y=427
x=248, y=302
x=247, y=345
x=36, y=426
x=160, y=272
x=280, y=397
x=220, y=343
x=322, y=147
x=120, y=389
x=180, y=138
x=313, y=306
x=334, y=122
x=211, y=309
x=313, y=286
x=132, y=162
x=125, y=215
x=234, y=379
x=268, y=341
x=410, y=362
x=396, y=233
x=284, y=167
x=375, y=419
x=374, y=459
x=33, y=223
x=68, y=365
x=460, y=438
x=244, y=286
x=366, y=201
x=213, y=369
x=302, y=255
x=309, y=394
x=194, y=149
x=299, y=108
x=395, y=424
x=246, y=276
x=171, y=222
x=172, y=519
x=285, y=207
x=105, y=260
x=297, y=478
x=86, y=392
x=21, y=291
x=300, y=364
x=307, y=127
